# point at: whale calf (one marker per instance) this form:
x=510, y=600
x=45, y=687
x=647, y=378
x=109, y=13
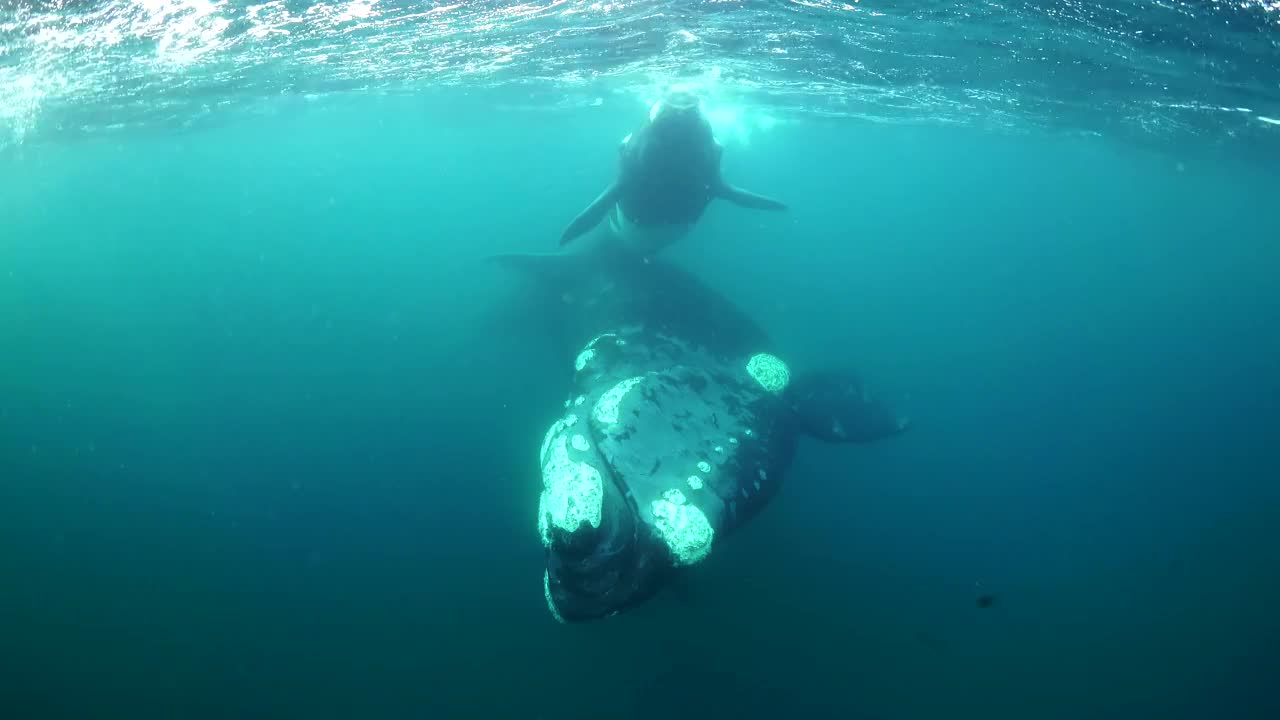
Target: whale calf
x=668, y=172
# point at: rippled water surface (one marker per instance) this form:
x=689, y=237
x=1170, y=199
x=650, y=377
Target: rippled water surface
x=1156, y=71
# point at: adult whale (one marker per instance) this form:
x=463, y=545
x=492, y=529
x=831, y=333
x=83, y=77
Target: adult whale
x=668, y=172
x=679, y=426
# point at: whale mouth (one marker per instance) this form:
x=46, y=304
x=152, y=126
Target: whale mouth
x=595, y=572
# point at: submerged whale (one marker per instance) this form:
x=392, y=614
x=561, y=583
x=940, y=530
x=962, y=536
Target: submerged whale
x=668, y=173
x=679, y=426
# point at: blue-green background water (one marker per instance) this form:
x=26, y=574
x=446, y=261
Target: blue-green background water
x=268, y=427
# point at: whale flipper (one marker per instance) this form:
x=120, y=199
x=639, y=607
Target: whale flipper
x=834, y=406
x=593, y=214
x=748, y=199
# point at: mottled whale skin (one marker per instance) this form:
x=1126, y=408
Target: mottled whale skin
x=679, y=425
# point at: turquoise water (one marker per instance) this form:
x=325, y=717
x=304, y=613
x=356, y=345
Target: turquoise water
x=269, y=428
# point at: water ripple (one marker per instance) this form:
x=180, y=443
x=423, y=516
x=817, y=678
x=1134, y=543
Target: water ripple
x=1156, y=71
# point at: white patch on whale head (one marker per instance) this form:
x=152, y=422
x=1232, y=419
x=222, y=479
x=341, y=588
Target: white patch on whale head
x=769, y=371
x=606, y=410
x=567, y=422
x=573, y=493
x=684, y=528
x=598, y=338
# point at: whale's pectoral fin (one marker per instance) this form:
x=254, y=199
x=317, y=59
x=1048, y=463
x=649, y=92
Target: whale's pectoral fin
x=592, y=216
x=748, y=199
x=833, y=405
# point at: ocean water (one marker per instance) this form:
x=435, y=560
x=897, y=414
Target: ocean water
x=269, y=425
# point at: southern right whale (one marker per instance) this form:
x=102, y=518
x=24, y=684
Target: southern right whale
x=668, y=172
x=680, y=421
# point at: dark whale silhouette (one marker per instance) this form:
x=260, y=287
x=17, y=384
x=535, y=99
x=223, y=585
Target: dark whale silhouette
x=668, y=172
x=679, y=427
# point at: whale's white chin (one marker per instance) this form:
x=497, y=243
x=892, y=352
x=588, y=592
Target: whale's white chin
x=643, y=240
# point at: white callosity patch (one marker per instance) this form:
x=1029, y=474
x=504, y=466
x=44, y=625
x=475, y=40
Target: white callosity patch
x=544, y=519
x=589, y=351
x=546, y=591
x=556, y=428
x=572, y=492
x=695, y=482
x=580, y=443
x=580, y=399
x=607, y=406
x=769, y=371
x=704, y=466
x=684, y=528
